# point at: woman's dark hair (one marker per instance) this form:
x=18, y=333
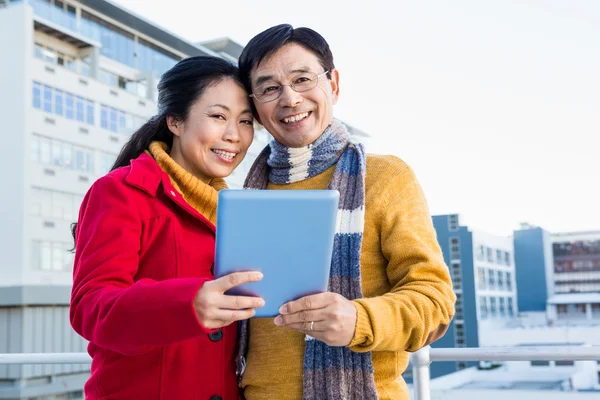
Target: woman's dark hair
x=178, y=90
x=268, y=42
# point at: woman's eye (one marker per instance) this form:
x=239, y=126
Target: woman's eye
x=218, y=116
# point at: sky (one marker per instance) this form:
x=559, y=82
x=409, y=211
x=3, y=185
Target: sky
x=494, y=104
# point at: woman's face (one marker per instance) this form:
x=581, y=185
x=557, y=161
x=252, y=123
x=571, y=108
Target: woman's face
x=215, y=137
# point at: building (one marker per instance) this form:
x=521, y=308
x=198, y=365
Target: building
x=483, y=275
x=561, y=272
x=81, y=78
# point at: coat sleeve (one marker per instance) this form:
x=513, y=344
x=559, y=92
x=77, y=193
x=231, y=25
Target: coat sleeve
x=420, y=305
x=108, y=306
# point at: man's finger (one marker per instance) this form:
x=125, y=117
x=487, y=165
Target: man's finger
x=234, y=279
x=300, y=317
x=312, y=302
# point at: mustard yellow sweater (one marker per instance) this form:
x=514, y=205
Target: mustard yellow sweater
x=408, y=300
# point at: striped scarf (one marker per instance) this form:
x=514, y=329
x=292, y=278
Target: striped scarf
x=329, y=372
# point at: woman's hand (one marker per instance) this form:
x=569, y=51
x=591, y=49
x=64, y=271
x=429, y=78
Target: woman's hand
x=216, y=309
x=328, y=317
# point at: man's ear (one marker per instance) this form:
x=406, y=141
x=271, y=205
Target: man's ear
x=335, y=85
x=174, y=125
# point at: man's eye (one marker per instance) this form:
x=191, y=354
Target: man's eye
x=269, y=89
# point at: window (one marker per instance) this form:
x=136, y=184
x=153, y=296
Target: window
x=480, y=253
x=564, y=363
x=458, y=307
x=511, y=309
x=37, y=95
x=493, y=306
x=51, y=256
x=69, y=106
x=456, y=278
x=112, y=120
x=461, y=365
x=499, y=259
x=506, y=258
x=47, y=104
x=453, y=222
x=580, y=308
x=80, y=102
x=483, y=308
x=491, y=279
x=509, y=281
x=58, y=102
x=500, y=275
x=90, y=112
x=561, y=308
x=502, y=310
x=454, y=248
x=481, y=278
x=490, y=254
x=45, y=150
x=104, y=117
x=540, y=363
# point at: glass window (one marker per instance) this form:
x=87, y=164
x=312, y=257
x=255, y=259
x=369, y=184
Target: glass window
x=506, y=258
x=89, y=162
x=493, y=306
x=80, y=102
x=540, y=363
x=37, y=95
x=122, y=122
x=46, y=200
x=45, y=150
x=104, y=117
x=501, y=307
x=47, y=98
x=500, y=275
x=499, y=257
x=35, y=148
x=491, y=279
x=79, y=159
x=67, y=155
x=38, y=51
x=483, y=308
x=69, y=106
x=90, y=112
x=68, y=207
x=36, y=256
x=509, y=281
x=561, y=308
x=36, y=202
x=490, y=254
x=564, y=363
x=58, y=205
x=112, y=119
x=58, y=102
x=46, y=256
x=511, y=309
x=481, y=278
x=57, y=256
x=56, y=153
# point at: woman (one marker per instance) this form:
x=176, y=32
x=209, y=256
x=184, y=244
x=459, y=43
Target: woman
x=143, y=294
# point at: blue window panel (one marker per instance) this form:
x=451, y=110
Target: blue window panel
x=47, y=98
x=113, y=120
x=90, y=112
x=104, y=117
x=59, y=107
x=122, y=122
x=37, y=95
x=80, y=102
x=69, y=106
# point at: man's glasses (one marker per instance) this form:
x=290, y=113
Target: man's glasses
x=300, y=83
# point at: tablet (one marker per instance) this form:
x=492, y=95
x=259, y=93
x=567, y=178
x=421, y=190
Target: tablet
x=286, y=234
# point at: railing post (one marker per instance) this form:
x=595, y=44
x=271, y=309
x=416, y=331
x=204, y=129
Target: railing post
x=421, y=377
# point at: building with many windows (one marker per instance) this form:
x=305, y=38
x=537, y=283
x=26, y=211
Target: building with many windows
x=81, y=78
x=561, y=272
x=482, y=268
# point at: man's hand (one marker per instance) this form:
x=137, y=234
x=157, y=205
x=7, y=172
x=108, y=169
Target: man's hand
x=328, y=317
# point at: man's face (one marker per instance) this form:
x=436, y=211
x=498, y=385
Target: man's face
x=295, y=119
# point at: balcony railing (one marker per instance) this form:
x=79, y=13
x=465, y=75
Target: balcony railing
x=421, y=360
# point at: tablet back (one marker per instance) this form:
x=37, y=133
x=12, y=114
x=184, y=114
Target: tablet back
x=286, y=234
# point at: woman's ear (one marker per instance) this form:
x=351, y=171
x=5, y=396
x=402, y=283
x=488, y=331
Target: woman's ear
x=174, y=125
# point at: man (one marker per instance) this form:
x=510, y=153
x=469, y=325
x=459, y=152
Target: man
x=389, y=292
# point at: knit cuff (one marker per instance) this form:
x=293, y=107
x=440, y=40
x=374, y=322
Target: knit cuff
x=363, y=332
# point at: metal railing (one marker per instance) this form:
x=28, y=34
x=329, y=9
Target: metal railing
x=421, y=360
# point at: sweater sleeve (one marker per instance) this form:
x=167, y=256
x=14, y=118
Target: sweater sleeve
x=420, y=305
x=108, y=306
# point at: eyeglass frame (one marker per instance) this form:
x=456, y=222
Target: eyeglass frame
x=291, y=85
